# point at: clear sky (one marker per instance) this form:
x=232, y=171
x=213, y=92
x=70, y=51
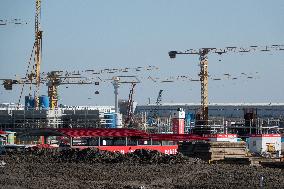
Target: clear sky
x=92, y=34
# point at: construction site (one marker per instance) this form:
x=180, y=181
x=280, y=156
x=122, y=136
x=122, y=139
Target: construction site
x=117, y=140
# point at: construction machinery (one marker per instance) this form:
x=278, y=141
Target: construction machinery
x=159, y=98
x=158, y=102
x=203, y=62
x=153, y=117
x=117, y=81
x=130, y=109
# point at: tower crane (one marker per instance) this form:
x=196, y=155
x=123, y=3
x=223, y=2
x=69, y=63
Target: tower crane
x=203, y=63
x=117, y=81
x=36, y=55
x=38, y=50
x=55, y=78
x=52, y=80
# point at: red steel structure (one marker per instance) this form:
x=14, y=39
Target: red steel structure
x=132, y=139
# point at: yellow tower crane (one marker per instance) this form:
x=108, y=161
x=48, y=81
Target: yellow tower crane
x=38, y=51
x=57, y=78
x=53, y=80
x=34, y=73
x=203, y=58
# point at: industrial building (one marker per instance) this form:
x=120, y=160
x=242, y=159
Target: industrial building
x=64, y=117
x=226, y=110
x=239, y=118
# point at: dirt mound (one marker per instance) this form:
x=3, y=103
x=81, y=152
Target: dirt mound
x=91, y=168
x=93, y=155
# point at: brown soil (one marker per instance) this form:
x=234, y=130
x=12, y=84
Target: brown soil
x=142, y=169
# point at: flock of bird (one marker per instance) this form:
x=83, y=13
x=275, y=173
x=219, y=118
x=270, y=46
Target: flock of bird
x=16, y=21
x=105, y=75
x=225, y=76
x=251, y=48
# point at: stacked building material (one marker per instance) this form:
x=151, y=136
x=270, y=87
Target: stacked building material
x=211, y=151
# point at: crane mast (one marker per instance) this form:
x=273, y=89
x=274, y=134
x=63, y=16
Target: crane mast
x=38, y=51
x=52, y=89
x=204, y=84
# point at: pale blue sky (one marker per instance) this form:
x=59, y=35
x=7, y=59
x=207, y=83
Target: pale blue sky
x=90, y=34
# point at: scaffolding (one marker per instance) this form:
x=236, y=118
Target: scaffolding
x=58, y=118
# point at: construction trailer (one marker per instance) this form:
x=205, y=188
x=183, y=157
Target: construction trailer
x=263, y=143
